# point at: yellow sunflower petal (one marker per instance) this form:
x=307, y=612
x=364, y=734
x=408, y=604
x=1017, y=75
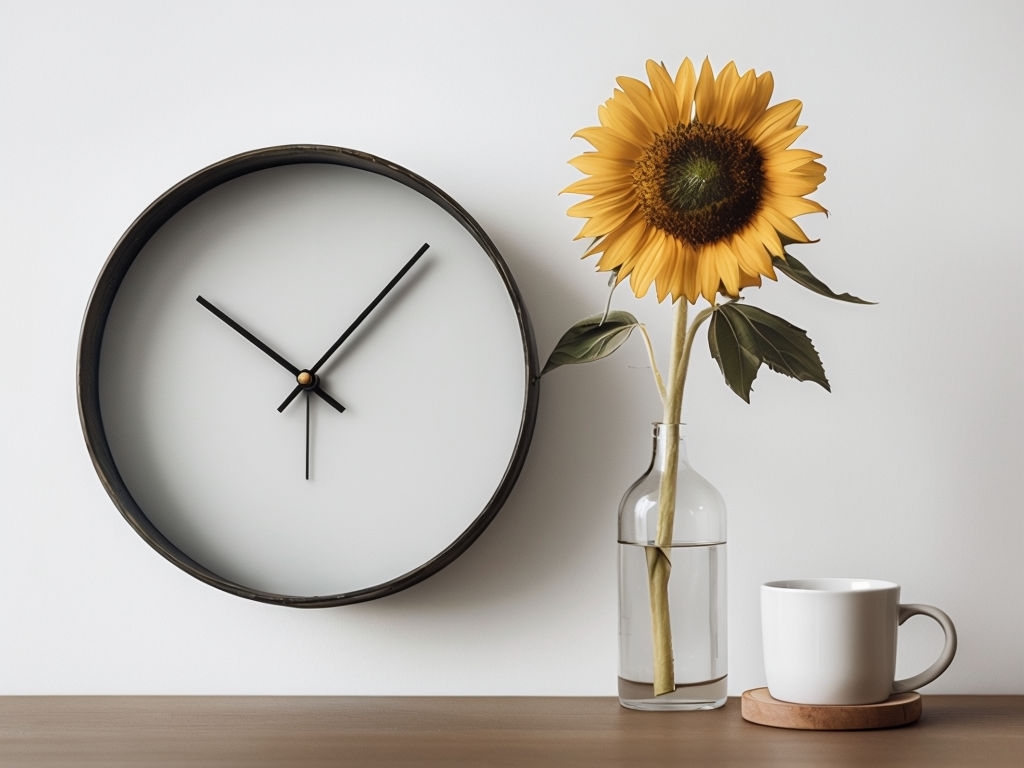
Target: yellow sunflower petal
x=668, y=281
x=784, y=225
x=620, y=245
x=743, y=106
x=767, y=236
x=610, y=213
x=609, y=143
x=640, y=277
x=739, y=99
x=644, y=103
x=590, y=229
x=813, y=170
x=666, y=277
x=763, y=90
x=718, y=110
x=780, y=117
x=753, y=281
x=690, y=288
x=791, y=207
x=606, y=212
x=591, y=185
x=620, y=116
x=790, y=185
x=602, y=218
x=704, y=94
x=664, y=92
x=686, y=84
x=790, y=159
x=717, y=266
x=751, y=255
x=597, y=164
x=649, y=262
x=776, y=141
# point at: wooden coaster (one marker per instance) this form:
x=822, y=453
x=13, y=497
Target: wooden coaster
x=759, y=707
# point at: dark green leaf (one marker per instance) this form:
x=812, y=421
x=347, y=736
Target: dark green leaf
x=730, y=344
x=742, y=337
x=796, y=271
x=591, y=339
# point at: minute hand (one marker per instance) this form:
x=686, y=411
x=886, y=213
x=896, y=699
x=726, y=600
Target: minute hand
x=356, y=323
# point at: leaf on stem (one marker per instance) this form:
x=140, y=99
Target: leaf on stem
x=742, y=337
x=797, y=272
x=591, y=339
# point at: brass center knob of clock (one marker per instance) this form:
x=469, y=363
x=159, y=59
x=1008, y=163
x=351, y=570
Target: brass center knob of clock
x=305, y=379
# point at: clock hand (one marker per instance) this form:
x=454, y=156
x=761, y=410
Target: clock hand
x=307, y=435
x=306, y=379
x=318, y=390
x=355, y=323
x=262, y=346
x=310, y=382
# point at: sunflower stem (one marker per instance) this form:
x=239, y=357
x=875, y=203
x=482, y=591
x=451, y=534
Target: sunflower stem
x=659, y=561
x=677, y=366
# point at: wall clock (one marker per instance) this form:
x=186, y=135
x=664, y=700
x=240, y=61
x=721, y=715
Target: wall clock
x=306, y=376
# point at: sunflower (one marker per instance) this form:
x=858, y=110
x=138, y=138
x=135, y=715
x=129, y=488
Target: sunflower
x=692, y=184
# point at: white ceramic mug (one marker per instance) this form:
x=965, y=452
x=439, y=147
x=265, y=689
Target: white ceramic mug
x=833, y=641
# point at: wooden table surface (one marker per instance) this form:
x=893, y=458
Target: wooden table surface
x=141, y=731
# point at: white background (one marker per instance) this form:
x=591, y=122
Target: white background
x=909, y=470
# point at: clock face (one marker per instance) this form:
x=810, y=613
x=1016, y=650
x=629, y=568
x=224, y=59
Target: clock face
x=399, y=445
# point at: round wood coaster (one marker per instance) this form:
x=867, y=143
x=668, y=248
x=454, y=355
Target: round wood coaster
x=759, y=707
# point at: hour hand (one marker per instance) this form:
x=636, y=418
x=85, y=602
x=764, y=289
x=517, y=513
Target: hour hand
x=312, y=383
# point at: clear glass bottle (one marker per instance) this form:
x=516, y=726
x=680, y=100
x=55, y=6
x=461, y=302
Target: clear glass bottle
x=696, y=585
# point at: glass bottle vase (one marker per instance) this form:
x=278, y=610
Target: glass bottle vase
x=686, y=609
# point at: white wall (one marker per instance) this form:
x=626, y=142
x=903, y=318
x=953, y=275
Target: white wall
x=909, y=470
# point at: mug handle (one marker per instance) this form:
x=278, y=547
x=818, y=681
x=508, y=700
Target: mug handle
x=948, y=650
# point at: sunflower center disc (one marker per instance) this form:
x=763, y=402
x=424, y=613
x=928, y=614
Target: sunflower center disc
x=700, y=183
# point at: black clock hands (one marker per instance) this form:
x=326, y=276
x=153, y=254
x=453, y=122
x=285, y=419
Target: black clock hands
x=307, y=380
x=355, y=324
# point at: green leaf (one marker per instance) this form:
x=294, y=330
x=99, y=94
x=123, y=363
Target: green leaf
x=742, y=337
x=796, y=271
x=591, y=339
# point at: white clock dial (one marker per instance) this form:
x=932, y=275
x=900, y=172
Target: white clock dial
x=438, y=382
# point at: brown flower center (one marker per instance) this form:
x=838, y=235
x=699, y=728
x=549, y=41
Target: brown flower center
x=700, y=183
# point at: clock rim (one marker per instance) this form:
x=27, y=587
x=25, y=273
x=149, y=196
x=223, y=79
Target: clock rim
x=104, y=293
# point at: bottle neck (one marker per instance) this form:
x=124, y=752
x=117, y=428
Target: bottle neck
x=666, y=436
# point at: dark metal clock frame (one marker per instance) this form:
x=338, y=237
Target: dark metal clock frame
x=105, y=291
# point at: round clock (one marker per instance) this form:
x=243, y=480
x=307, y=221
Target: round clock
x=307, y=377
